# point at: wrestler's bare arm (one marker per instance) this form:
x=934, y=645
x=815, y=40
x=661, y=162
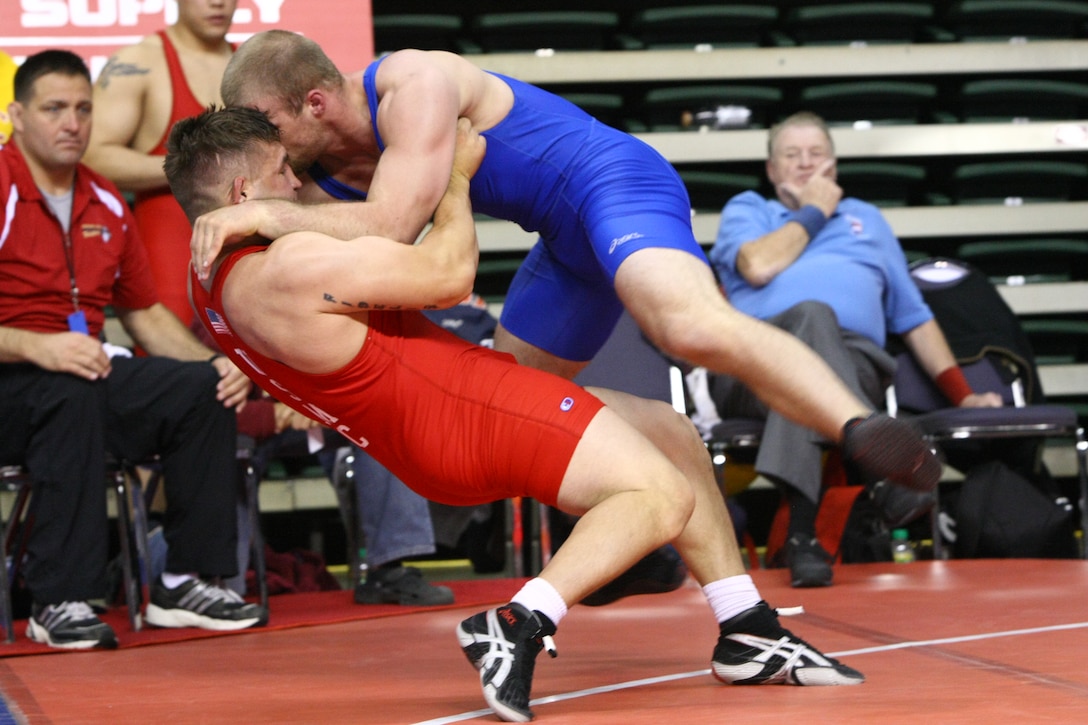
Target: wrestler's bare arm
x=379, y=273
x=407, y=182
x=121, y=135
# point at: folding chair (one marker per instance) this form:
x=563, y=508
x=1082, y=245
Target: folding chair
x=131, y=527
x=1001, y=371
x=132, y=500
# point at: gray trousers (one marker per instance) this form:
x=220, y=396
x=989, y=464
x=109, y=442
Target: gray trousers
x=789, y=453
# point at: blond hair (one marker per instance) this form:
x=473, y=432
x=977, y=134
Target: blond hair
x=278, y=64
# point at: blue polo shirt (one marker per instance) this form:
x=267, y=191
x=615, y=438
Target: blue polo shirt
x=855, y=265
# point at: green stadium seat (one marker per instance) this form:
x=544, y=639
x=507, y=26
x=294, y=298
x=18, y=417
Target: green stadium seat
x=675, y=108
x=418, y=30
x=998, y=20
x=884, y=183
x=1057, y=341
x=710, y=190
x=558, y=30
x=877, y=102
x=846, y=23
x=1030, y=260
x=1006, y=99
x=606, y=107
x=1015, y=182
x=717, y=26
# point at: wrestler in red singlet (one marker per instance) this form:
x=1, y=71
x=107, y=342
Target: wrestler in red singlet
x=460, y=424
x=163, y=224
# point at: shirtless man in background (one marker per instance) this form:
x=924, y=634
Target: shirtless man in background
x=143, y=90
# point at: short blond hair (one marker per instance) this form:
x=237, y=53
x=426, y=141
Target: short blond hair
x=280, y=64
x=802, y=118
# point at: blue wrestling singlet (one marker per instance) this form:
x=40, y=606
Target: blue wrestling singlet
x=593, y=193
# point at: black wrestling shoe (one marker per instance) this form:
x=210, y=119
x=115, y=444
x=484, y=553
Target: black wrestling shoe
x=754, y=649
x=660, y=571
x=889, y=448
x=503, y=643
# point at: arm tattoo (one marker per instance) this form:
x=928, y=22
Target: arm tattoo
x=116, y=68
x=360, y=305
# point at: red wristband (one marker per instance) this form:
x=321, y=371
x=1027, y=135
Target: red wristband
x=954, y=386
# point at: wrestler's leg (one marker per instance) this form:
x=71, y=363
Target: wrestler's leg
x=708, y=543
x=532, y=356
x=631, y=499
x=694, y=322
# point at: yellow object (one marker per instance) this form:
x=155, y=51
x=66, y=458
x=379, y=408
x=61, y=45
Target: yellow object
x=737, y=477
x=7, y=94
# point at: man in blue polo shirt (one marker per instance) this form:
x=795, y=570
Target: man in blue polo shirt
x=831, y=271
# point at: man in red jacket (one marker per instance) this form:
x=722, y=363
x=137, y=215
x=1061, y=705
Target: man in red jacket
x=68, y=248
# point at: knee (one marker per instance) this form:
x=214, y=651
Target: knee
x=697, y=336
x=809, y=312
x=200, y=377
x=677, y=497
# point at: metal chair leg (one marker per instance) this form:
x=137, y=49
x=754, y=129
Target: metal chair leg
x=256, y=541
x=124, y=531
x=5, y=592
x=1082, y=476
x=7, y=535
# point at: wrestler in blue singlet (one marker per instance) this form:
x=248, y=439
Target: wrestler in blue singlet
x=593, y=193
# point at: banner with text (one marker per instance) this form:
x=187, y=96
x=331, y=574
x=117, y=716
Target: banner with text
x=96, y=28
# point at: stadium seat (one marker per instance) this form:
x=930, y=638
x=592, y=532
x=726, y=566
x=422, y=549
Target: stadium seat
x=419, y=30
x=876, y=102
x=997, y=20
x=1015, y=182
x=1031, y=260
x=1007, y=99
x=606, y=107
x=530, y=31
x=675, y=108
x=1057, y=341
x=710, y=190
x=846, y=23
x=717, y=26
x=886, y=184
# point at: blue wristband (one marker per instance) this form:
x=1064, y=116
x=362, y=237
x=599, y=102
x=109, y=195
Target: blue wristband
x=811, y=218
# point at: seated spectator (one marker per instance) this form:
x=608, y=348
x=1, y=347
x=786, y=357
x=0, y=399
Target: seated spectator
x=68, y=248
x=829, y=270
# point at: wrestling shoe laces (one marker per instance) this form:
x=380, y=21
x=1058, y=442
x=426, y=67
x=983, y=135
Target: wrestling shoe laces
x=754, y=649
x=503, y=643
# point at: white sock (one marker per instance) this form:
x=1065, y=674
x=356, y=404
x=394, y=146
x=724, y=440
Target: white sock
x=173, y=581
x=731, y=596
x=541, y=596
